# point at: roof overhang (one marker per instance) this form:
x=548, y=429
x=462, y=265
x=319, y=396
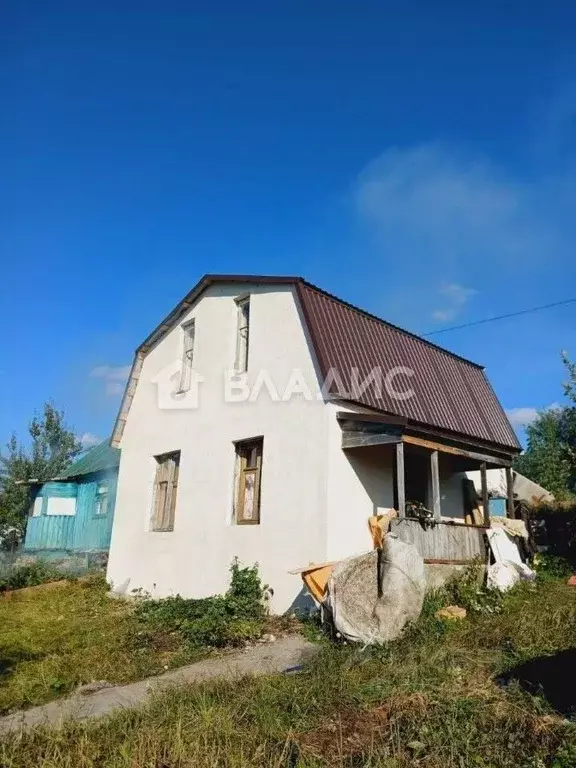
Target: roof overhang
x=360, y=430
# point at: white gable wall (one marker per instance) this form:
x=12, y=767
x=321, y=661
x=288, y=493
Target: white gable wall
x=360, y=484
x=194, y=559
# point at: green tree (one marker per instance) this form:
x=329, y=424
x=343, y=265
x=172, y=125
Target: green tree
x=570, y=385
x=550, y=456
x=547, y=459
x=51, y=449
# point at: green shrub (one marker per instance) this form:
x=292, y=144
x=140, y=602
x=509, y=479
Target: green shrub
x=565, y=757
x=551, y=567
x=466, y=590
x=30, y=575
x=221, y=620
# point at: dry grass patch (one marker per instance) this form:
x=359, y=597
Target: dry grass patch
x=52, y=640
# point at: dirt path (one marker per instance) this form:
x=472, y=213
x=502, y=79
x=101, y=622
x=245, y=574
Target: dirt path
x=258, y=660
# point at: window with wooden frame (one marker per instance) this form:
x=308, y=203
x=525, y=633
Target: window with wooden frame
x=248, y=475
x=101, y=501
x=189, y=330
x=165, y=491
x=242, y=334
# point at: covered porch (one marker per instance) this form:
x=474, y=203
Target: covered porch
x=437, y=507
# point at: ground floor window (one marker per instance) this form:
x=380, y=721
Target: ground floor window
x=247, y=485
x=165, y=491
x=101, y=503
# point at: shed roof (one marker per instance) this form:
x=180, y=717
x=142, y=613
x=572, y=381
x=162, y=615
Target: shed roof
x=451, y=393
x=97, y=459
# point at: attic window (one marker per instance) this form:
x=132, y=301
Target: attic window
x=187, y=355
x=242, y=334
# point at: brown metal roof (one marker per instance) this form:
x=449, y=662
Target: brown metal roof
x=450, y=393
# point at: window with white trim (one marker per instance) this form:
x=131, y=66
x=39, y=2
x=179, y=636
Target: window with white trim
x=165, y=491
x=187, y=355
x=101, y=501
x=242, y=334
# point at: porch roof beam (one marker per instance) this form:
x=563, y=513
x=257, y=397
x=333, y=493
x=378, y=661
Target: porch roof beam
x=442, y=448
x=359, y=433
x=363, y=439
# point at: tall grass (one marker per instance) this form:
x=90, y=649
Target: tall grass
x=429, y=699
x=52, y=640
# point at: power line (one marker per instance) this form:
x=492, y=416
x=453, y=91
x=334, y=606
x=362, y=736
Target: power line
x=501, y=317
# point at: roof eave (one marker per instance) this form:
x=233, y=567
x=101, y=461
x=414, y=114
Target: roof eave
x=499, y=448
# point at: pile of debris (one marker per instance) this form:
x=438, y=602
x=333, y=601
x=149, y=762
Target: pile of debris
x=371, y=597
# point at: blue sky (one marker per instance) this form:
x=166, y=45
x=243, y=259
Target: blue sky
x=416, y=159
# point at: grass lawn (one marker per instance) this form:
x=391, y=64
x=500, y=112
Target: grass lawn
x=429, y=699
x=53, y=639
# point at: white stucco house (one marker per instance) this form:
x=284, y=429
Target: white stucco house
x=266, y=419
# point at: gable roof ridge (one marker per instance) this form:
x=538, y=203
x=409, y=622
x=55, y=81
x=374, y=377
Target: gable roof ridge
x=387, y=323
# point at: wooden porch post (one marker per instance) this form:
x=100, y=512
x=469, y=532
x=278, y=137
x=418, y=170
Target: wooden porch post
x=435, y=485
x=510, y=493
x=401, y=492
x=485, y=502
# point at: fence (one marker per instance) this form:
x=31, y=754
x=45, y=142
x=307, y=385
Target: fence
x=73, y=563
x=7, y=560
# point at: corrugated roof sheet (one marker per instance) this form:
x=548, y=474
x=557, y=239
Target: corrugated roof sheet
x=97, y=459
x=450, y=393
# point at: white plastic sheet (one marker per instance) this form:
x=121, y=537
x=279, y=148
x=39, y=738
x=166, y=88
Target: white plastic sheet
x=508, y=568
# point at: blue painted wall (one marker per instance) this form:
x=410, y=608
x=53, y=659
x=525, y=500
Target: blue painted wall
x=84, y=531
x=497, y=506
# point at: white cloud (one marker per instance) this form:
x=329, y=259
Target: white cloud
x=437, y=214
x=442, y=215
x=89, y=439
x=114, y=377
x=455, y=297
x=521, y=417
x=439, y=197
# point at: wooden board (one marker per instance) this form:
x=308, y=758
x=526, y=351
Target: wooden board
x=443, y=541
x=443, y=448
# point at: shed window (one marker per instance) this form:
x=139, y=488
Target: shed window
x=165, y=491
x=37, y=506
x=61, y=506
x=248, y=475
x=187, y=355
x=101, y=503
x=242, y=335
